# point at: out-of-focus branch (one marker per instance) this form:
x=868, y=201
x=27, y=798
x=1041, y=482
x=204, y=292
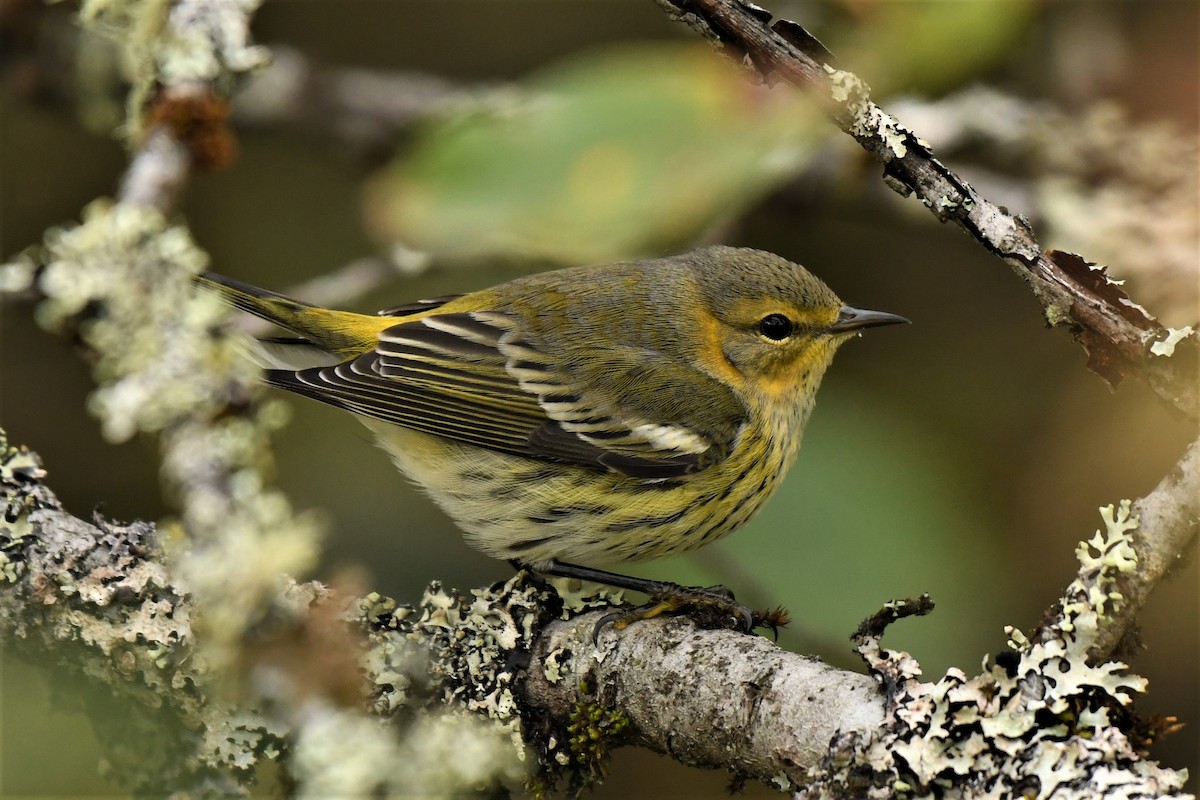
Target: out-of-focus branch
x=364, y=111
x=1120, y=337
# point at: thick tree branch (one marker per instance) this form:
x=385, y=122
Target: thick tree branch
x=99, y=599
x=712, y=699
x=1120, y=336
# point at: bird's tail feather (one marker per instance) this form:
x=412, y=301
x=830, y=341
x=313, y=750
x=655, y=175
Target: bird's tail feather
x=341, y=333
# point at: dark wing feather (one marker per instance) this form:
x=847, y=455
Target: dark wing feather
x=469, y=377
x=408, y=309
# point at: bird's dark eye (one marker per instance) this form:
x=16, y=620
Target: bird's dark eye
x=776, y=327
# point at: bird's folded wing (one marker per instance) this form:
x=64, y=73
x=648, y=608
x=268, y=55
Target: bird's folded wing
x=472, y=378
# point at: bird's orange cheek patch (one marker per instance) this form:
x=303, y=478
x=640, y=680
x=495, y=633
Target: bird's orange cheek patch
x=712, y=353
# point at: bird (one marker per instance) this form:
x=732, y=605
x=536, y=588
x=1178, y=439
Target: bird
x=587, y=415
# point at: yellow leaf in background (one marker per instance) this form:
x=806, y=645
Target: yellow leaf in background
x=616, y=153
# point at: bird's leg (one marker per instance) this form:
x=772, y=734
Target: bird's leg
x=711, y=606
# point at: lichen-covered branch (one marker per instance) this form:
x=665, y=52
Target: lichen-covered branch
x=706, y=698
x=97, y=600
x=1119, y=576
x=474, y=683
x=1038, y=721
x=1120, y=336
x=102, y=601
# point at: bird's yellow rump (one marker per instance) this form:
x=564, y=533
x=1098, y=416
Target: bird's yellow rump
x=590, y=414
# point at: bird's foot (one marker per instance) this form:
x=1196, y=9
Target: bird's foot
x=707, y=606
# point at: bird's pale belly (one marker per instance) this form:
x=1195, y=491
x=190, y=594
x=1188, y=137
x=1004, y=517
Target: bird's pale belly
x=537, y=511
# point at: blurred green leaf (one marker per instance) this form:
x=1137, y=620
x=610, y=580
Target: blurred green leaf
x=623, y=151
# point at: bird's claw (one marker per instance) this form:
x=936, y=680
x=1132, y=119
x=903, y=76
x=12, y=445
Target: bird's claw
x=708, y=607
x=773, y=618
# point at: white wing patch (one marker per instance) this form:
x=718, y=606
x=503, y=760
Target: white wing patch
x=668, y=437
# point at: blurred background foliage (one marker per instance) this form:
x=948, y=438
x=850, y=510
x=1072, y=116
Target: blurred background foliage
x=963, y=456
x=616, y=152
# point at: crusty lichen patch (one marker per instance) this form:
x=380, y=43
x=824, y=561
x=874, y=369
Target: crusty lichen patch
x=20, y=471
x=210, y=43
x=98, y=600
x=1038, y=721
x=122, y=279
x=1166, y=346
x=479, y=645
x=454, y=649
x=861, y=117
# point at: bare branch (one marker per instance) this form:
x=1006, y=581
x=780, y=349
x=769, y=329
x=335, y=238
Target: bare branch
x=362, y=110
x=712, y=699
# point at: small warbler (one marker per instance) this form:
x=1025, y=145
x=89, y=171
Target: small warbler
x=595, y=414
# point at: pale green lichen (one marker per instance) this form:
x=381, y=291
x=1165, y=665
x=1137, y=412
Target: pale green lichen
x=579, y=597
x=124, y=278
x=1037, y=720
x=466, y=652
x=175, y=42
x=153, y=335
x=781, y=781
x=18, y=274
x=862, y=117
x=19, y=468
x=1166, y=345
x=556, y=665
x=1102, y=559
x=470, y=643
x=339, y=753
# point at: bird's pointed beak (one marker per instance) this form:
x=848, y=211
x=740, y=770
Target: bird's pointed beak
x=853, y=319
